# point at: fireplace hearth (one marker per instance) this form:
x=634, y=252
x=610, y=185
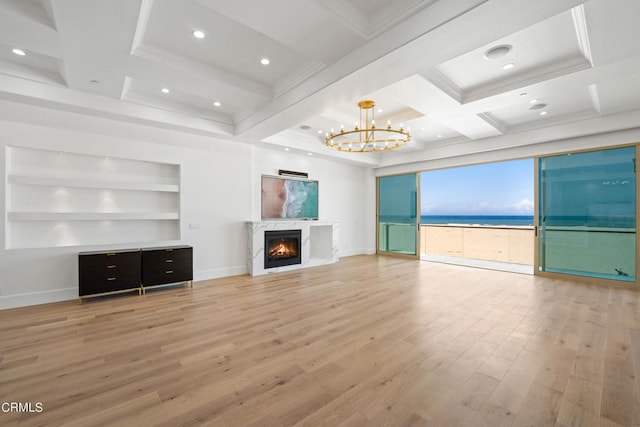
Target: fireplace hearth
x=282, y=247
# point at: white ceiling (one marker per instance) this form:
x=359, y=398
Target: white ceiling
x=422, y=61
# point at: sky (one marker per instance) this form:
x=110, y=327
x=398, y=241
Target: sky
x=504, y=188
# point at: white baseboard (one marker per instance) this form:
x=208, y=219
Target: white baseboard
x=354, y=252
x=220, y=272
x=69, y=294
x=36, y=298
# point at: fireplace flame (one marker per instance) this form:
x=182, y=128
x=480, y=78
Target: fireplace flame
x=281, y=250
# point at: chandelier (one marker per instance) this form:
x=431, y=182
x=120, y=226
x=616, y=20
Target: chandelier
x=365, y=136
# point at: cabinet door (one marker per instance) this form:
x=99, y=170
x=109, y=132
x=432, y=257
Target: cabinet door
x=108, y=272
x=167, y=265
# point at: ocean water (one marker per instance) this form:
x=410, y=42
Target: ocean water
x=478, y=219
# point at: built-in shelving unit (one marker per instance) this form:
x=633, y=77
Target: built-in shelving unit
x=74, y=183
x=58, y=198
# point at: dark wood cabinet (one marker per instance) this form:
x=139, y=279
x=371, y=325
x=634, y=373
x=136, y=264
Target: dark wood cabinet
x=167, y=265
x=122, y=270
x=109, y=271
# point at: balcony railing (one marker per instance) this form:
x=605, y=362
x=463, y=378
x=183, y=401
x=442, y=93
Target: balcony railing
x=507, y=244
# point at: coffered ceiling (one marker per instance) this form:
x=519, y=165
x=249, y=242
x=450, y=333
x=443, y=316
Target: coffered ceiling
x=460, y=72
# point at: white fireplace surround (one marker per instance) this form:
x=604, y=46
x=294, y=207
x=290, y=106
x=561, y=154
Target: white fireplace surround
x=319, y=244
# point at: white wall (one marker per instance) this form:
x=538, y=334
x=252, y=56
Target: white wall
x=220, y=190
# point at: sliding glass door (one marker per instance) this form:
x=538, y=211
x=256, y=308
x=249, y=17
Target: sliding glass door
x=586, y=219
x=398, y=219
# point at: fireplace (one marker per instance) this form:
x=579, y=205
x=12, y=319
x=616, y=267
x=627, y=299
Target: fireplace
x=282, y=247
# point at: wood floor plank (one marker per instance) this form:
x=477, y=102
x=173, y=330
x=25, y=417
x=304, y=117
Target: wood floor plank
x=372, y=340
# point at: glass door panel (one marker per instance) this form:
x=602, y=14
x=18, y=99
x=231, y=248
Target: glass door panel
x=398, y=214
x=587, y=214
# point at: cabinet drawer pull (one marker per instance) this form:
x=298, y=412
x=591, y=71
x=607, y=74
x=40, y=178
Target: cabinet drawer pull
x=169, y=271
x=111, y=254
x=168, y=250
x=168, y=260
x=111, y=266
x=111, y=278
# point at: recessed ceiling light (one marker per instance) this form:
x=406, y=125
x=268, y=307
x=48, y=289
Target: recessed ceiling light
x=311, y=154
x=508, y=66
x=305, y=127
x=217, y=104
x=165, y=90
x=19, y=52
x=422, y=129
x=95, y=81
x=439, y=135
x=198, y=34
x=498, y=51
x=537, y=107
x=287, y=149
x=379, y=110
x=265, y=61
x=533, y=101
x=523, y=94
x=543, y=113
x=320, y=131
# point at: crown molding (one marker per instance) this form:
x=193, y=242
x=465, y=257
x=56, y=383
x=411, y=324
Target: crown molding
x=178, y=108
x=221, y=76
x=141, y=25
x=64, y=99
x=394, y=12
x=444, y=84
x=563, y=119
x=384, y=19
x=297, y=76
x=38, y=11
x=594, y=97
x=531, y=77
x=344, y=11
x=582, y=34
x=302, y=142
x=32, y=73
x=494, y=122
x=154, y=54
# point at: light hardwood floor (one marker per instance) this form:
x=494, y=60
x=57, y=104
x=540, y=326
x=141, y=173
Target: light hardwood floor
x=368, y=341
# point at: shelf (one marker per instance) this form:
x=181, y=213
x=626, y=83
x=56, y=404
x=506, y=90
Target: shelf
x=83, y=183
x=90, y=216
x=55, y=198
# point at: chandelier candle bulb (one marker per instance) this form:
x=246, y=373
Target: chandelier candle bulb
x=365, y=136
